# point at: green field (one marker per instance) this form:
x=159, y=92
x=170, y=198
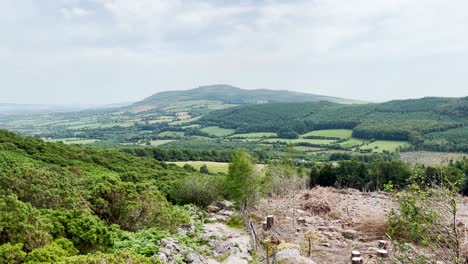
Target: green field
x=171, y=134
x=213, y=167
x=160, y=142
x=218, y=131
x=301, y=140
x=254, y=135
x=381, y=145
x=186, y=121
x=80, y=141
x=352, y=142
x=335, y=133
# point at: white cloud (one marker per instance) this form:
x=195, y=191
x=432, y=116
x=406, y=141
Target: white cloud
x=326, y=44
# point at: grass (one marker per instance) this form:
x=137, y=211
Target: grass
x=352, y=142
x=335, y=133
x=213, y=167
x=218, y=131
x=301, y=140
x=80, y=141
x=186, y=121
x=160, y=142
x=381, y=145
x=171, y=134
x=254, y=135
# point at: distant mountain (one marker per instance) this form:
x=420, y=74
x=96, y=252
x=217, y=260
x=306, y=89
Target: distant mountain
x=26, y=109
x=228, y=94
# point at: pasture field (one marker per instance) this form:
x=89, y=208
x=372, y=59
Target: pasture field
x=254, y=135
x=160, y=142
x=80, y=141
x=218, y=131
x=306, y=149
x=171, y=134
x=335, y=133
x=352, y=142
x=322, y=142
x=185, y=121
x=381, y=145
x=213, y=167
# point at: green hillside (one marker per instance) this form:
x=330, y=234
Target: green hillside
x=228, y=94
x=424, y=122
x=60, y=202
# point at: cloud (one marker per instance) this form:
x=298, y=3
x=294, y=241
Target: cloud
x=339, y=47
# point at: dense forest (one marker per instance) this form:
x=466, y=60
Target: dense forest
x=428, y=123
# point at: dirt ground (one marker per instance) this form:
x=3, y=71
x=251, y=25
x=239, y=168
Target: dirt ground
x=336, y=221
x=430, y=157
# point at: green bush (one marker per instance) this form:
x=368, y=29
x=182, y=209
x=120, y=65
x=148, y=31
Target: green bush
x=235, y=221
x=201, y=190
x=121, y=257
x=144, y=242
x=22, y=223
x=53, y=252
x=12, y=254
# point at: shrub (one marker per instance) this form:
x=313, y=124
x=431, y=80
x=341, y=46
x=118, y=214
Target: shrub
x=235, y=221
x=53, y=252
x=429, y=218
x=201, y=190
x=12, y=254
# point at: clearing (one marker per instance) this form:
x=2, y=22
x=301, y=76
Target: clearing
x=213, y=167
x=384, y=145
x=218, y=131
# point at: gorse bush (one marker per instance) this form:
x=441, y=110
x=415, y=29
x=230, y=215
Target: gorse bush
x=198, y=189
x=66, y=203
x=12, y=254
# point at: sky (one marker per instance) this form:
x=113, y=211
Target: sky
x=109, y=51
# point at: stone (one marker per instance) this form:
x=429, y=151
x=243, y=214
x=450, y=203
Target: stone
x=212, y=209
x=349, y=234
x=161, y=256
x=194, y=258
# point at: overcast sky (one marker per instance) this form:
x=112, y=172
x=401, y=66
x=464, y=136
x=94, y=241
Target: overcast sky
x=107, y=51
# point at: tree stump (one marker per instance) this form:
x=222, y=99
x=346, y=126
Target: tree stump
x=383, y=244
x=356, y=260
x=264, y=225
x=270, y=221
x=355, y=254
x=382, y=253
x=301, y=220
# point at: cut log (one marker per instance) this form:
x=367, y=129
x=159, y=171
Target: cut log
x=270, y=221
x=356, y=260
x=355, y=254
x=383, y=244
x=382, y=253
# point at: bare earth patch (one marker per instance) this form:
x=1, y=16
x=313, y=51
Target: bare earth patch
x=336, y=221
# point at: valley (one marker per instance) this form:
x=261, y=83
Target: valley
x=193, y=177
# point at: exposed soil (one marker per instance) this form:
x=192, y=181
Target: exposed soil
x=336, y=221
x=430, y=157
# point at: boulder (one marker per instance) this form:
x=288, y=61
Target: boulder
x=212, y=209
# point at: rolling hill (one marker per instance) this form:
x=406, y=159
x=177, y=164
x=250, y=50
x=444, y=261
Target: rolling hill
x=233, y=95
x=432, y=123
